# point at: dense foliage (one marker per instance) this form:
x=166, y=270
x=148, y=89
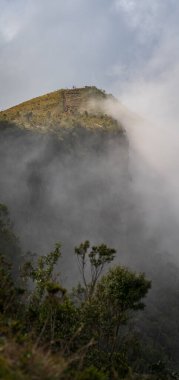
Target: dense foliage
x=53, y=333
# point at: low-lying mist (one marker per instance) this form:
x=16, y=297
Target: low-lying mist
x=65, y=190
x=153, y=154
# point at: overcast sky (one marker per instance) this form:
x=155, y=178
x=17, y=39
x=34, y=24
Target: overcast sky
x=51, y=44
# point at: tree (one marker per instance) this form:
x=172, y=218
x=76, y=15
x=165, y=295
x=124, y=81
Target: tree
x=91, y=263
x=119, y=294
x=106, y=304
x=49, y=310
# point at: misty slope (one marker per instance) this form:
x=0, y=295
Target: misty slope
x=65, y=175
x=61, y=169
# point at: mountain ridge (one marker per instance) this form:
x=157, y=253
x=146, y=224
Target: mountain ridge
x=62, y=109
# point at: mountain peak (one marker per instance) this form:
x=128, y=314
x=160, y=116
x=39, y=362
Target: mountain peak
x=63, y=108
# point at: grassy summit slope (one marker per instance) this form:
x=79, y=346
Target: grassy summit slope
x=62, y=109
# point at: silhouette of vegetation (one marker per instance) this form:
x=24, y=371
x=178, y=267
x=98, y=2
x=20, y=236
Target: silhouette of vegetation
x=40, y=315
x=50, y=332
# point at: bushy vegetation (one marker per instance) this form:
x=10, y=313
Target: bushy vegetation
x=49, y=332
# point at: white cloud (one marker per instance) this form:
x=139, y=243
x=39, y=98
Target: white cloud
x=13, y=18
x=46, y=45
x=144, y=16
x=9, y=26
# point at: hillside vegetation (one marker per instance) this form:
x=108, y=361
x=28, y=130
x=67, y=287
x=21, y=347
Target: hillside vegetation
x=59, y=110
x=50, y=333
